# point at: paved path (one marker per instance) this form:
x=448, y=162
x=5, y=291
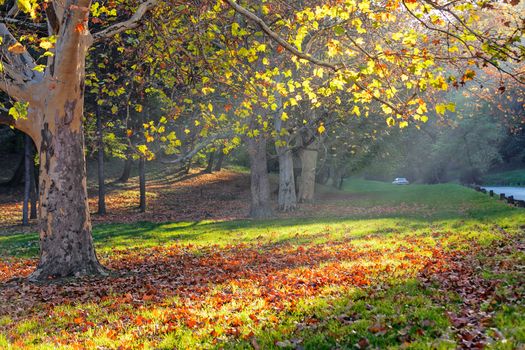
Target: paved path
x=517, y=192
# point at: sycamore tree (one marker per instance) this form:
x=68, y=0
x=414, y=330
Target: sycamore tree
x=44, y=47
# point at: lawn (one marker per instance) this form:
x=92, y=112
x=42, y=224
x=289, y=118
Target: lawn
x=375, y=266
x=506, y=178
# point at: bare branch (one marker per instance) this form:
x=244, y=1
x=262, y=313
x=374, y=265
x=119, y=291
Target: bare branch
x=131, y=23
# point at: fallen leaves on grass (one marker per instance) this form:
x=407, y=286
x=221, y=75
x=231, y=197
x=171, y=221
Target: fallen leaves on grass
x=220, y=292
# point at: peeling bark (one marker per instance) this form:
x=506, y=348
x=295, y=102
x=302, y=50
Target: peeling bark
x=66, y=245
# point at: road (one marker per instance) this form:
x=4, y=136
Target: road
x=517, y=192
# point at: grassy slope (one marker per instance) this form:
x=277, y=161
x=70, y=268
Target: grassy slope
x=507, y=178
x=391, y=312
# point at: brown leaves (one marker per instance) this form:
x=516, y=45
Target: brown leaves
x=17, y=48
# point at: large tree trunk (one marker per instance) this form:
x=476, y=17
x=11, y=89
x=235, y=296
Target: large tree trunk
x=66, y=244
x=307, y=180
x=100, y=161
x=260, y=182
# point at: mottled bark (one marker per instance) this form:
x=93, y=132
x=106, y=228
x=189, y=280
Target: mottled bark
x=260, y=183
x=66, y=245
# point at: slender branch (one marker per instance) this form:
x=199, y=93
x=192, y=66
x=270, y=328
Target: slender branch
x=285, y=44
x=22, y=23
x=131, y=23
x=202, y=145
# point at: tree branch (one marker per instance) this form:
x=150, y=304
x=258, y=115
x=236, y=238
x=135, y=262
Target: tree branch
x=18, y=74
x=202, y=145
x=22, y=23
x=285, y=44
x=131, y=23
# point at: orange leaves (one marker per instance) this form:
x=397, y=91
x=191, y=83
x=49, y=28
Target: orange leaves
x=80, y=27
x=17, y=48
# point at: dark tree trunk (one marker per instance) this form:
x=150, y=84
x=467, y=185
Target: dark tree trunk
x=127, y=169
x=142, y=179
x=28, y=146
x=187, y=167
x=337, y=179
x=211, y=160
x=220, y=159
x=100, y=158
x=18, y=175
x=260, y=183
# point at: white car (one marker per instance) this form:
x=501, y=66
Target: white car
x=400, y=181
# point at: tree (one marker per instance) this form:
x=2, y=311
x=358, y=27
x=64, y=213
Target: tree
x=49, y=106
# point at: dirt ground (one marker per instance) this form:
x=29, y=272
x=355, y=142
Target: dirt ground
x=197, y=196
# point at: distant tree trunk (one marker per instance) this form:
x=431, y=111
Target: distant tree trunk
x=18, y=175
x=220, y=159
x=28, y=145
x=308, y=166
x=100, y=153
x=260, y=183
x=127, y=168
x=187, y=167
x=287, y=196
x=337, y=178
x=211, y=160
x=142, y=179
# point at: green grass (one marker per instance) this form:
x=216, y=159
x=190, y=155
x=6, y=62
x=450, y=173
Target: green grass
x=394, y=311
x=506, y=178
